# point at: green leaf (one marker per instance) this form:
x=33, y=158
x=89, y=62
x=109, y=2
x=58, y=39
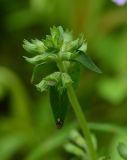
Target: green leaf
x=11, y=144
x=122, y=149
x=77, y=138
x=42, y=70
x=86, y=61
x=59, y=103
x=77, y=151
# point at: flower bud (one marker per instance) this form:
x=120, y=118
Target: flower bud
x=36, y=46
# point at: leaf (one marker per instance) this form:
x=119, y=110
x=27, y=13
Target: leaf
x=122, y=149
x=117, y=147
x=11, y=144
x=75, y=150
x=78, y=139
x=86, y=61
x=59, y=103
x=42, y=70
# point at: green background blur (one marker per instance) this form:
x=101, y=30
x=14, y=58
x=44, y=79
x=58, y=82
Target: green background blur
x=27, y=127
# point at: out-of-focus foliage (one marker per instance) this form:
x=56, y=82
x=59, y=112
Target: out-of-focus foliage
x=77, y=145
x=26, y=124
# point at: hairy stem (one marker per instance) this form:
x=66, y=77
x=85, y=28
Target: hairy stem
x=80, y=116
x=82, y=122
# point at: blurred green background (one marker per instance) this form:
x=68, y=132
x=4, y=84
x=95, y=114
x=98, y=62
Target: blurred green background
x=27, y=127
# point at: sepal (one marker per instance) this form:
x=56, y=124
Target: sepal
x=35, y=46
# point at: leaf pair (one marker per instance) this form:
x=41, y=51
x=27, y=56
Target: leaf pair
x=58, y=96
x=77, y=145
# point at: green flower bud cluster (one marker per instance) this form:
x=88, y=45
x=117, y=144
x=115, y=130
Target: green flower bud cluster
x=57, y=47
x=56, y=61
x=59, y=44
x=58, y=79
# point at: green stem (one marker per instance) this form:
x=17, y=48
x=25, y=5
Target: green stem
x=82, y=122
x=80, y=116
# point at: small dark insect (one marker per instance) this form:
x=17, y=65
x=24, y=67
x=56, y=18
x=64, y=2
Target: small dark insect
x=59, y=123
